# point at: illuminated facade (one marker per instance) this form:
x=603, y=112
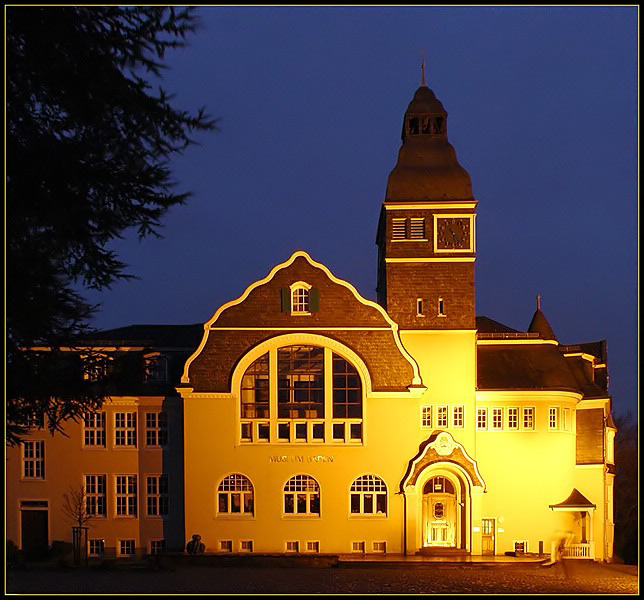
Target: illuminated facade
x=304, y=418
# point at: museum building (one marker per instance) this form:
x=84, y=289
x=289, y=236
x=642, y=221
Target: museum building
x=303, y=417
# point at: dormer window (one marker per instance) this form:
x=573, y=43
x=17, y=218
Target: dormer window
x=300, y=299
x=156, y=367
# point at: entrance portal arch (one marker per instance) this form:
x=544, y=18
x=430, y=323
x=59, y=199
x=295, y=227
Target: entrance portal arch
x=437, y=489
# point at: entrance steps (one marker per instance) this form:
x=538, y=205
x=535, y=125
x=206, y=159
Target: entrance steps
x=442, y=551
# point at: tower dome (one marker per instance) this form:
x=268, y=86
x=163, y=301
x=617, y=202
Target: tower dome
x=427, y=167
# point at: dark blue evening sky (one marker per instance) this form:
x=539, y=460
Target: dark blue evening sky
x=543, y=114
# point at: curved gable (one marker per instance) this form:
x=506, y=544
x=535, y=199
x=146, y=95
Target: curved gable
x=342, y=315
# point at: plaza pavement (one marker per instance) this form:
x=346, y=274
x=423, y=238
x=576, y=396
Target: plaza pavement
x=351, y=576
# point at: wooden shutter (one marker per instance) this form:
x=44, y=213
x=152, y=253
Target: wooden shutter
x=314, y=300
x=286, y=299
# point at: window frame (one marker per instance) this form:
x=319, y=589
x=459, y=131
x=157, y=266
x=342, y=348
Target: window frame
x=33, y=461
x=528, y=413
x=238, y=490
x=128, y=499
x=157, y=496
x=368, y=485
x=128, y=431
x=95, y=487
x=458, y=421
x=156, y=429
x=334, y=385
x=481, y=418
x=94, y=430
x=303, y=485
x=497, y=420
x=512, y=418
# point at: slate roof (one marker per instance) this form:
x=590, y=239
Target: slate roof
x=521, y=367
x=159, y=336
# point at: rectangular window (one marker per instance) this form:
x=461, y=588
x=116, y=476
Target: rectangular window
x=293, y=546
x=156, y=429
x=458, y=416
x=441, y=416
x=94, y=429
x=126, y=495
x=246, y=546
x=225, y=545
x=553, y=417
x=125, y=429
x=358, y=547
x=417, y=228
x=33, y=459
x=157, y=546
x=95, y=547
x=497, y=418
x=567, y=422
x=398, y=229
x=313, y=546
x=481, y=418
x=426, y=416
x=157, y=495
x=513, y=418
x=419, y=307
x=95, y=495
x=126, y=547
x=380, y=547
x=528, y=418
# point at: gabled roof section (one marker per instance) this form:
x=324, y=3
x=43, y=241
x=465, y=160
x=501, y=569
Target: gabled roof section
x=341, y=314
x=576, y=500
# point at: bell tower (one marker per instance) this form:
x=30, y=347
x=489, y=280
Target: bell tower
x=426, y=232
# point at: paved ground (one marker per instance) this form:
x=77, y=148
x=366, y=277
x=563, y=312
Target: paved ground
x=437, y=578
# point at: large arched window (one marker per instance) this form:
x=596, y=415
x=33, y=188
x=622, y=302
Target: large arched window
x=302, y=496
x=235, y=495
x=317, y=396
x=368, y=496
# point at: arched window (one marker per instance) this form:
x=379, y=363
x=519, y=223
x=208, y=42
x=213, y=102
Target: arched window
x=438, y=485
x=235, y=495
x=369, y=496
x=302, y=496
x=288, y=395
x=300, y=297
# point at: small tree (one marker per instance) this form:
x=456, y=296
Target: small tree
x=75, y=510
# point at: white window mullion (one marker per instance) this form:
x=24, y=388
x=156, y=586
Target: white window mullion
x=272, y=391
x=328, y=394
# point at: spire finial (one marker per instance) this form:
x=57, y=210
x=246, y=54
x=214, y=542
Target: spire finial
x=538, y=302
x=422, y=82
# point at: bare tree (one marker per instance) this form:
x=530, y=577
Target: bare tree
x=75, y=508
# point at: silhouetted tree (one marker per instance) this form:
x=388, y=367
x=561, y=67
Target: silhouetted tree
x=626, y=500
x=88, y=144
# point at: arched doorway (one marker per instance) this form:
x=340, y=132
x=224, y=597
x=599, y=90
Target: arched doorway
x=441, y=513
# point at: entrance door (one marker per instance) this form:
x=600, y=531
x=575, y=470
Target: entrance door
x=439, y=513
x=487, y=532
x=35, y=536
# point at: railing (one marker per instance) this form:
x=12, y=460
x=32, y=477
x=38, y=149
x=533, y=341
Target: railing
x=578, y=551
